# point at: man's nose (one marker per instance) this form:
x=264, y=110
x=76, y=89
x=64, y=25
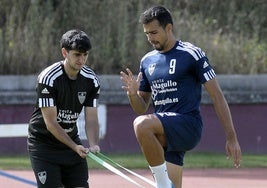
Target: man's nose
x=149, y=37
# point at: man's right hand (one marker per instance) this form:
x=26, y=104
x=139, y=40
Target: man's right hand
x=131, y=85
x=82, y=151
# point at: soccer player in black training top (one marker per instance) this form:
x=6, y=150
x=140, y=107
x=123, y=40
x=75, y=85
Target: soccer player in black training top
x=57, y=155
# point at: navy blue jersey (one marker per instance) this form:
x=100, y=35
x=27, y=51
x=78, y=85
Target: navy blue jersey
x=54, y=88
x=175, y=78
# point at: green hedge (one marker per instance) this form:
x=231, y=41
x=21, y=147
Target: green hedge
x=232, y=33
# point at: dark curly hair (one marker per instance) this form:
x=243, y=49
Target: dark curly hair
x=159, y=13
x=75, y=40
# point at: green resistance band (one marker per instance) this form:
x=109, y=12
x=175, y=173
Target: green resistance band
x=97, y=158
x=129, y=171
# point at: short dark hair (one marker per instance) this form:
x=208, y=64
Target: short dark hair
x=75, y=39
x=159, y=13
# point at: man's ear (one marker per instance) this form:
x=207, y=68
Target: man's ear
x=64, y=52
x=169, y=27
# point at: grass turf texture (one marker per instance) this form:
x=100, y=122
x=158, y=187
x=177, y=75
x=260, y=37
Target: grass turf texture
x=137, y=161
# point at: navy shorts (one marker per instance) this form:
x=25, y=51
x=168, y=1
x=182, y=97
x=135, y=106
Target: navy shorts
x=182, y=133
x=59, y=169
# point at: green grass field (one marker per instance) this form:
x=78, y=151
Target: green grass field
x=137, y=161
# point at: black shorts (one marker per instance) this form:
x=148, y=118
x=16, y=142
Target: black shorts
x=182, y=133
x=53, y=169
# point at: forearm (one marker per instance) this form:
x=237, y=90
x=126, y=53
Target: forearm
x=224, y=115
x=61, y=135
x=221, y=108
x=138, y=104
x=92, y=133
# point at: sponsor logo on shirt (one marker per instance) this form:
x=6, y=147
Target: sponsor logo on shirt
x=69, y=130
x=67, y=116
x=164, y=85
x=166, y=101
x=160, y=87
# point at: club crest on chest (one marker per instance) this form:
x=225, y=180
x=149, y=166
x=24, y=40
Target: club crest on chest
x=151, y=68
x=81, y=97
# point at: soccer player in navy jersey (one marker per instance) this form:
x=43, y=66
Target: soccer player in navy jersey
x=172, y=76
x=64, y=88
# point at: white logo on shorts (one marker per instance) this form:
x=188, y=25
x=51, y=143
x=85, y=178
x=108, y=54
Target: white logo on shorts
x=42, y=176
x=162, y=114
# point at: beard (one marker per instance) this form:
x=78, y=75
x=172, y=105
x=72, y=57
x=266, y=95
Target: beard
x=157, y=46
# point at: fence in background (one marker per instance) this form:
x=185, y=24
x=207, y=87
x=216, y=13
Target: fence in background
x=246, y=94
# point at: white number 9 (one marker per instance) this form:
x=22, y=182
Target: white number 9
x=172, y=66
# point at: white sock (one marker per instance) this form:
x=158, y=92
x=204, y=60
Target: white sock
x=161, y=177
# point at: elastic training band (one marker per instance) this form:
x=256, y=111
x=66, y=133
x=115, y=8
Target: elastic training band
x=129, y=171
x=2, y=173
x=111, y=168
x=116, y=171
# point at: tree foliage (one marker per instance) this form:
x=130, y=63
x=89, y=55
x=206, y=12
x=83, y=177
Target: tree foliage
x=232, y=33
